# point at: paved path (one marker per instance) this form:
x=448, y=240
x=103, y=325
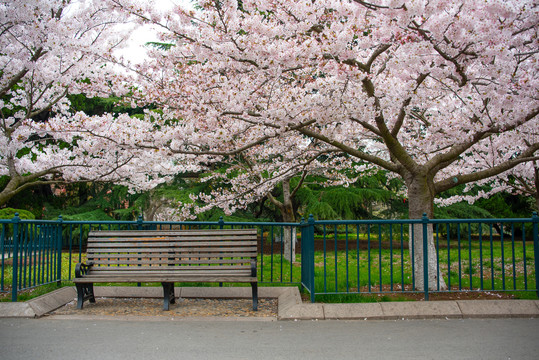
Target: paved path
x=47, y=338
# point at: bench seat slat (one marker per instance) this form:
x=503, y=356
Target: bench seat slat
x=159, y=255
x=166, y=278
x=167, y=245
x=190, y=232
x=175, y=250
x=176, y=269
x=204, y=270
x=170, y=262
x=174, y=238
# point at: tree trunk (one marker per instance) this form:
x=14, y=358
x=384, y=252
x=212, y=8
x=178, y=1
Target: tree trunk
x=289, y=236
x=421, y=201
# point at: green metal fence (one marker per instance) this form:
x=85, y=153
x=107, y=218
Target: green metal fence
x=51, y=249
x=324, y=257
x=374, y=257
x=31, y=254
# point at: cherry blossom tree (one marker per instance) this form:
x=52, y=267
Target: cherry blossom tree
x=50, y=48
x=414, y=87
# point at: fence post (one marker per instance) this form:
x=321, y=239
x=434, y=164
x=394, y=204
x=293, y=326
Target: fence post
x=59, y=240
x=139, y=222
x=425, y=221
x=15, y=277
x=221, y=223
x=307, y=255
x=535, y=220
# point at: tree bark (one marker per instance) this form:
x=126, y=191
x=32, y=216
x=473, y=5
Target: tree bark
x=286, y=208
x=421, y=201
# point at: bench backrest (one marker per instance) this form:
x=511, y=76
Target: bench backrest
x=147, y=249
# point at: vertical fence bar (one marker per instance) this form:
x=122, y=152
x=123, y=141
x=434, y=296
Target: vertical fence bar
x=221, y=227
x=271, y=253
x=336, y=255
x=4, y=254
x=402, y=257
x=14, y=285
x=503, y=255
x=262, y=252
x=325, y=260
x=346, y=244
x=535, y=220
x=369, y=255
x=282, y=237
x=311, y=256
x=460, y=256
x=425, y=221
x=513, y=255
x=70, y=257
x=58, y=237
x=481, y=254
x=524, y=256
x=391, y=255
x=437, y=257
x=380, y=255
x=140, y=222
x=448, y=257
x=411, y=242
x=470, y=254
x=23, y=230
x=357, y=259
x=36, y=250
x=491, y=258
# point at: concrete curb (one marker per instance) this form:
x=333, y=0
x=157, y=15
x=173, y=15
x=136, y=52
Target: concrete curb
x=38, y=306
x=291, y=307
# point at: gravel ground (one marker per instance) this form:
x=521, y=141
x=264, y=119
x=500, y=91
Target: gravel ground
x=182, y=308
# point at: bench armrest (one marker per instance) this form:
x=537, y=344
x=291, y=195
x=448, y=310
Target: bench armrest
x=82, y=269
x=253, y=267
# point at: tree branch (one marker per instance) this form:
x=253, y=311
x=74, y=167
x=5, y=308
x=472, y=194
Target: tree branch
x=453, y=181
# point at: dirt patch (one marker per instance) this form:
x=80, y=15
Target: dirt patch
x=182, y=308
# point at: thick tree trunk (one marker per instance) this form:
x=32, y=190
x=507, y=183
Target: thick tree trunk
x=289, y=236
x=421, y=201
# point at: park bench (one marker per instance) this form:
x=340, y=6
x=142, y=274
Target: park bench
x=169, y=256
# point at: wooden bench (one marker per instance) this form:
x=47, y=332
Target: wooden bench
x=167, y=257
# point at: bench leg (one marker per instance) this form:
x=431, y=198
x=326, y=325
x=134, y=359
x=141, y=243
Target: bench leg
x=254, y=288
x=84, y=292
x=168, y=295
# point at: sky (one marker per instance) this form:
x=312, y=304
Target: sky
x=135, y=48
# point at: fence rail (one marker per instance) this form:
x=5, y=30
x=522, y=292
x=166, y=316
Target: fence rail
x=324, y=257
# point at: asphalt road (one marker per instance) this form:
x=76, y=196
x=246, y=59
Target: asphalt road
x=210, y=339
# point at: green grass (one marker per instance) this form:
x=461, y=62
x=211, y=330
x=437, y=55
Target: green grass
x=342, y=272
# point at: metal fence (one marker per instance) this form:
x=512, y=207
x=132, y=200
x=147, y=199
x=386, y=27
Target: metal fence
x=375, y=257
x=37, y=252
x=324, y=257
